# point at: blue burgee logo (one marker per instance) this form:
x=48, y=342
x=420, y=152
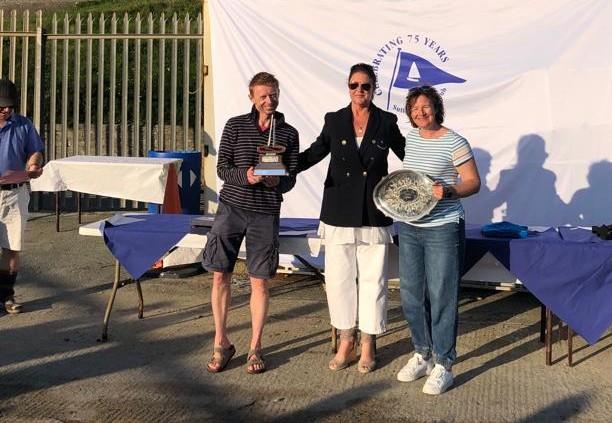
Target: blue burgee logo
x=414, y=71
x=398, y=69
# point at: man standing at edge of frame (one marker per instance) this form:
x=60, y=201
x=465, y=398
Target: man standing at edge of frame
x=21, y=157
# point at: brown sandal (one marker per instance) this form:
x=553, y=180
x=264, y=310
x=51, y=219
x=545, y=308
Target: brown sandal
x=367, y=366
x=347, y=335
x=216, y=364
x=255, y=362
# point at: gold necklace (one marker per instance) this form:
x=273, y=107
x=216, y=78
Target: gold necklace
x=359, y=126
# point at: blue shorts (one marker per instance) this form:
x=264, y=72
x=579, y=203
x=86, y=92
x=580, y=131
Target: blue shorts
x=231, y=226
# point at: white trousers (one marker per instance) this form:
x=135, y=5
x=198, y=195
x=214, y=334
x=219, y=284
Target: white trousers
x=13, y=217
x=356, y=286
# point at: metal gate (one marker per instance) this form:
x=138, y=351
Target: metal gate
x=107, y=85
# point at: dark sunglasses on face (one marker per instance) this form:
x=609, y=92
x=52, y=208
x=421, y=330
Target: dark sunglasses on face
x=355, y=85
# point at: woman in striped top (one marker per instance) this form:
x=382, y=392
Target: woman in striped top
x=432, y=248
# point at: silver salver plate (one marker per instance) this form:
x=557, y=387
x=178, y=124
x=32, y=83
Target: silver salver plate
x=405, y=195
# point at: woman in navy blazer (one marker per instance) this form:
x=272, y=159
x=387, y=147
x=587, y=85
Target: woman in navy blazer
x=358, y=138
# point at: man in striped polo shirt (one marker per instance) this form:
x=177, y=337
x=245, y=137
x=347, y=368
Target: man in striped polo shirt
x=249, y=206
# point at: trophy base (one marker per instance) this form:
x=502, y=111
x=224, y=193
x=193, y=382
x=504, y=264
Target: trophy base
x=270, y=169
x=270, y=172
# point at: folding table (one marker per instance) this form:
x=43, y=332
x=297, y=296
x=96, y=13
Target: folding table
x=146, y=179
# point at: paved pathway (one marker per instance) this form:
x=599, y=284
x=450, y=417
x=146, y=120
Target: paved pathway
x=153, y=370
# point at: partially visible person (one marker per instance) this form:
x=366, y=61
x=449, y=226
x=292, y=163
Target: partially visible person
x=21, y=149
x=358, y=138
x=432, y=248
x=249, y=206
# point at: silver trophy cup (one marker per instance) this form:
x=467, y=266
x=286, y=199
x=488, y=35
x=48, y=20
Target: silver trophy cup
x=270, y=156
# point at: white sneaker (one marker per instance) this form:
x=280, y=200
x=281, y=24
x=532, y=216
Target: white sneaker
x=416, y=368
x=439, y=381
x=11, y=306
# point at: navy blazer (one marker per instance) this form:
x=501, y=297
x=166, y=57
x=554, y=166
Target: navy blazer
x=353, y=173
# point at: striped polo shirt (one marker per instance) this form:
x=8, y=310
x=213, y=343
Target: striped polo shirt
x=439, y=159
x=238, y=151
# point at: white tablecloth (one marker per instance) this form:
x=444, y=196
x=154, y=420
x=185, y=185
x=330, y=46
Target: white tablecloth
x=131, y=178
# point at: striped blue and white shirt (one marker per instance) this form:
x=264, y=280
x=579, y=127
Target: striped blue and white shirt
x=439, y=159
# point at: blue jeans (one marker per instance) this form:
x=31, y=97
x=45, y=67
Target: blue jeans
x=430, y=265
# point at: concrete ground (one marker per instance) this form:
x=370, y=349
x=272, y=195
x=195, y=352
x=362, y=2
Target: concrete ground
x=53, y=369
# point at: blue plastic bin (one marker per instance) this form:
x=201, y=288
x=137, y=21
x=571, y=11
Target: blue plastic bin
x=189, y=179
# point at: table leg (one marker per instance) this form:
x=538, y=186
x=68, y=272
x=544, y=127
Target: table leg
x=548, y=343
x=570, y=342
x=334, y=340
x=310, y=267
x=78, y=201
x=319, y=275
x=111, y=300
x=542, y=322
x=140, y=300
x=57, y=211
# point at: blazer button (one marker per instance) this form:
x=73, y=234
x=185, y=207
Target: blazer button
x=348, y=174
x=371, y=158
x=365, y=173
x=343, y=142
x=373, y=141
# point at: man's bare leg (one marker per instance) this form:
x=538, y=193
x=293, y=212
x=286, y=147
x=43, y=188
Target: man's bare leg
x=220, y=302
x=259, y=311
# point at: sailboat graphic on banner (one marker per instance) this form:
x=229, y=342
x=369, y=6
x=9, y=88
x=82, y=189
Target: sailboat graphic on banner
x=414, y=75
x=412, y=71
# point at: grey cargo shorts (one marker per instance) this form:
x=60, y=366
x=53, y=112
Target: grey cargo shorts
x=232, y=224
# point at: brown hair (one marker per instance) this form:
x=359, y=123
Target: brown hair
x=432, y=94
x=263, y=78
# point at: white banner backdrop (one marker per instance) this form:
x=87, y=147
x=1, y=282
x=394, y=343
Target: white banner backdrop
x=530, y=87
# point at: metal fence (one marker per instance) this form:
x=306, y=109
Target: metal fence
x=107, y=85
x=14, y=39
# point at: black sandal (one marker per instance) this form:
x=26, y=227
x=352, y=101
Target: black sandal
x=255, y=362
x=217, y=364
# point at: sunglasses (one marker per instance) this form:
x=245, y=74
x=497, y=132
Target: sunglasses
x=355, y=85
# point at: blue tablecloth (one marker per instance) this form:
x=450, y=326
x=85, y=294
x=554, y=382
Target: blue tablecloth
x=139, y=245
x=569, y=270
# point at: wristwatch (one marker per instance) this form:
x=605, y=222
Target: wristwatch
x=447, y=193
